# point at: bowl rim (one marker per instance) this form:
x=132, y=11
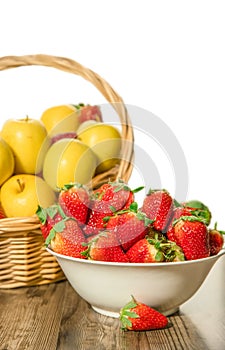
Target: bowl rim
x=124, y=264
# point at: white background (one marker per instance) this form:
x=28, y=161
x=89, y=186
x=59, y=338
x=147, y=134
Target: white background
x=166, y=57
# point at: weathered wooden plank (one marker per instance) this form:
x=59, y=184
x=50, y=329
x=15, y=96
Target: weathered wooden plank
x=30, y=317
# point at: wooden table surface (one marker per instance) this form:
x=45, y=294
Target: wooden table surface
x=54, y=317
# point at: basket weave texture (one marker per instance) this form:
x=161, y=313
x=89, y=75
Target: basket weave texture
x=24, y=260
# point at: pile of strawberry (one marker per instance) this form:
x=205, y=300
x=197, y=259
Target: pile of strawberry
x=107, y=225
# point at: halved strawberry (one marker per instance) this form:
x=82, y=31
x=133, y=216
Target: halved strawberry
x=66, y=237
x=137, y=316
x=105, y=247
x=158, y=206
x=74, y=199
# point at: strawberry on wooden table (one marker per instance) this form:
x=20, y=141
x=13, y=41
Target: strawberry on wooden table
x=109, y=198
x=49, y=217
x=191, y=234
x=216, y=240
x=137, y=316
x=130, y=225
x=67, y=238
x=105, y=247
x=74, y=199
x=158, y=206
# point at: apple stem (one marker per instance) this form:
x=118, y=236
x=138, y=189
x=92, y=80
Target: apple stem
x=21, y=184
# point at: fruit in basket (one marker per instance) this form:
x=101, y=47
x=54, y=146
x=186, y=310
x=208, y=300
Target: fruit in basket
x=68, y=160
x=21, y=194
x=74, y=199
x=85, y=125
x=137, y=316
x=63, y=135
x=2, y=213
x=191, y=234
x=66, y=237
x=89, y=112
x=105, y=142
x=28, y=140
x=60, y=119
x=7, y=162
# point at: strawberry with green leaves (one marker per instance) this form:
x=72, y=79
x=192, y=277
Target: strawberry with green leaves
x=191, y=234
x=158, y=206
x=109, y=198
x=191, y=208
x=49, y=217
x=67, y=238
x=129, y=225
x=153, y=250
x=137, y=316
x=105, y=247
x=216, y=240
x=199, y=209
x=74, y=199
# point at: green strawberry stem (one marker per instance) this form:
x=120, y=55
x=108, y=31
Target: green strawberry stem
x=126, y=312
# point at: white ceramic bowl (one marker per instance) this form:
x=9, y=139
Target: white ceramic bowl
x=108, y=286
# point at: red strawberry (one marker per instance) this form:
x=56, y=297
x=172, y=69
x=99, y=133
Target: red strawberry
x=199, y=209
x=136, y=316
x=108, y=199
x=176, y=214
x=192, y=235
x=158, y=206
x=129, y=225
x=74, y=199
x=66, y=237
x=105, y=247
x=48, y=218
x=216, y=240
x=185, y=209
x=153, y=250
x=2, y=213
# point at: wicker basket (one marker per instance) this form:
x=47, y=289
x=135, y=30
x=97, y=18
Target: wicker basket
x=24, y=260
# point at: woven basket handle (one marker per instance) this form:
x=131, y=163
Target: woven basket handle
x=123, y=171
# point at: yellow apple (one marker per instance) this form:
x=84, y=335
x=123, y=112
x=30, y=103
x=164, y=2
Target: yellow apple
x=28, y=141
x=105, y=142
x=7, y=162
x=68, y=160
x=60, y=119
x=83, y=126
x=21, y=194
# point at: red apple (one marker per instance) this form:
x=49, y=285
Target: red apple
x=63, y=135
x=89, y=112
